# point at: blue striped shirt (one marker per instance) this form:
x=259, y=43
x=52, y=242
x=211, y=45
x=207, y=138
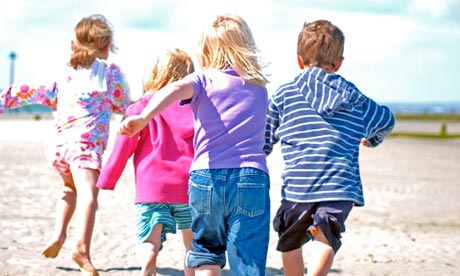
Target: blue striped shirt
x=320, y=119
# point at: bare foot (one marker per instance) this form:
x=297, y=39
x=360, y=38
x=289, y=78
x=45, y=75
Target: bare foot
x=85, y=265
x=52, y=249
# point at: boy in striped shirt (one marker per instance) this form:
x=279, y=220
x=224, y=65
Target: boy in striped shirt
x=320, y=119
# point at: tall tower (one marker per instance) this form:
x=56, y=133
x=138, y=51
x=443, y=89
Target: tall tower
x=12, y=59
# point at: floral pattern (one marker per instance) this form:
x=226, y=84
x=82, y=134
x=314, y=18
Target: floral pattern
x=82, y=105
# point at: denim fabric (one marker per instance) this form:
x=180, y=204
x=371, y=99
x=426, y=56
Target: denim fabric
x=230, y=213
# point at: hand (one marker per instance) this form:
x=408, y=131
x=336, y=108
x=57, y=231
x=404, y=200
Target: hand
x=364, y=142
x=132, y=125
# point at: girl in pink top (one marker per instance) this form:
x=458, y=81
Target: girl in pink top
x=82, y=106
x=162, y=154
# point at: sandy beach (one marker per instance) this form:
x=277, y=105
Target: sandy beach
x=409, y=226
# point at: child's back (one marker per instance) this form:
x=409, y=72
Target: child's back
x=230, y=129
x=161, y=153
x=320, y=119
x=86, y=101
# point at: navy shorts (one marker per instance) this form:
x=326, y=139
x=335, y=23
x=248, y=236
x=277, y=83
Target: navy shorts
x=296, y=222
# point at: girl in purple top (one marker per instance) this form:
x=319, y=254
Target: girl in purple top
x=82, y=106
x=229, y=183
x=162, y=153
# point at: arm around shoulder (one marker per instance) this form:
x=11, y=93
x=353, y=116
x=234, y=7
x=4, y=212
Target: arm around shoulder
x=178, y=90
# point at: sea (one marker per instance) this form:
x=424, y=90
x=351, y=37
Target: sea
x=395, y=107
x=424, y=108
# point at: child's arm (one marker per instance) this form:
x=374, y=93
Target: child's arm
x=270, y=128
x=179, y=90
x=364, y=143
x=379, y=122
x=117, y=90
x=16, y=96
x=123, y=148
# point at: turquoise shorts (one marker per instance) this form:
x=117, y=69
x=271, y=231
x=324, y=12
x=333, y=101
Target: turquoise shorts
x=150, y=214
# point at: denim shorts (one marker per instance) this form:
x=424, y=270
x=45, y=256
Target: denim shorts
x=230, y=213
x=150, y=214
x=296, y=222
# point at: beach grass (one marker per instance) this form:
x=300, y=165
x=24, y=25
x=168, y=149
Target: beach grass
x=442, y=119
x=426, y=135
x=450, y=117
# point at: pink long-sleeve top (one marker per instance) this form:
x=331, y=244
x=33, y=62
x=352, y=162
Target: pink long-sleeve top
x=162, y=154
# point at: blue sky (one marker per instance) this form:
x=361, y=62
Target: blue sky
x=395, y=50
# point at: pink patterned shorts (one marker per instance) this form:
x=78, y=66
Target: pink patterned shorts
x=80, y=155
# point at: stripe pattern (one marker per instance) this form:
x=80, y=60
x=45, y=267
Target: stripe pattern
x=320, y=119
x=150, y=214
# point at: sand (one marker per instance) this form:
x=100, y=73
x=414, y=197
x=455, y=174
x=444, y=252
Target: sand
x=409, y=226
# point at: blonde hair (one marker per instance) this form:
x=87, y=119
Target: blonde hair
x=93, y=34
x=320, y=44
x=229, y=43
x=172, y=65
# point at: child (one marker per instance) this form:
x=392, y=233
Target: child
x=163, y=152
x=229, y=183
x=320, y=119
x=82, y=106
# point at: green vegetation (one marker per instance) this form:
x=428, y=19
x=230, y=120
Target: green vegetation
x=441, y=118
x=425, y=135
x=428, y=117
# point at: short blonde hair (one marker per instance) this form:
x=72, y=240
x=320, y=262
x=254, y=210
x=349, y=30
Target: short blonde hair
x=170, y=66
x=92, y=35
x=229, y=43
x=320, y=44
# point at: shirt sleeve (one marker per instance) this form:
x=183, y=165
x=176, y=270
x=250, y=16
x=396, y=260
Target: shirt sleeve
x=123, y=148
x=379, y=121
x=271, y=126
x=16, y=96
x=118, y=91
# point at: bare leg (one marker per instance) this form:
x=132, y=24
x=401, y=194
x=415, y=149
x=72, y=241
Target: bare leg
x=322, y=255
x=293, y=263
x=85, y=182
x=147, y=252
x=64, y=212
x=208, y=270
x=187, y=237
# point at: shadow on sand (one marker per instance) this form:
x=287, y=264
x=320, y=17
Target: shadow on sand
x=131, y=268
x=166, y=271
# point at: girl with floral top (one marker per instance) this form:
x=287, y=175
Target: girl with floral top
x=82, y=106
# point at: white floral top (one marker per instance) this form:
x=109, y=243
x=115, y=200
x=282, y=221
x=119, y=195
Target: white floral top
x=82, y=104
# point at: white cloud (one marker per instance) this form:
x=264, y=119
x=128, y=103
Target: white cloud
x=389, y=45
x=431, y=8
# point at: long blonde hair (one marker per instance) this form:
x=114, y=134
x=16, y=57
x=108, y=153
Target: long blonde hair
x=172, y=65
x=93, y=34
x=229, y=43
